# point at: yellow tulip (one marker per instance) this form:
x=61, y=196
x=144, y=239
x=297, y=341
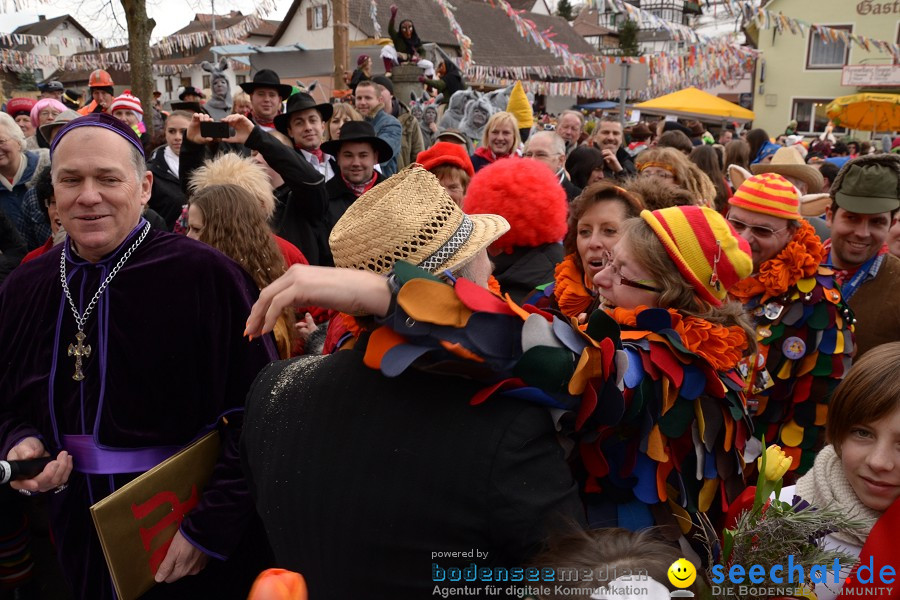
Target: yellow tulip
x=777, y=463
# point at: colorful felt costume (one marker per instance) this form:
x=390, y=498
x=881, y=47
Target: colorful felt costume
x=805, y=335
x=650, y=397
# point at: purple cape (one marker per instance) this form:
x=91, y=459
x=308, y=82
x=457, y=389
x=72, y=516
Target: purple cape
x=168, y=361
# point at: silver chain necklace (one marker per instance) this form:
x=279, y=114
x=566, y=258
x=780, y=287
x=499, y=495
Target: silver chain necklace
x=79, y=350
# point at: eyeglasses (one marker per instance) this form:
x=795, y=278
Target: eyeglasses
x=760, y=232
x=538, y=154
x=641, y=284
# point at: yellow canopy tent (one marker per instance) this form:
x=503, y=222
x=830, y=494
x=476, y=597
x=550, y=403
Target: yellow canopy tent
x=692, y=103
x=866, y=112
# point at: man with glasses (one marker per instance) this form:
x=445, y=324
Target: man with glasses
x=550, y=149
x=865, y=198
x=803, y=325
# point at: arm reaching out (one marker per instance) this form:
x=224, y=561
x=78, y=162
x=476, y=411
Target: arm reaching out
x=345, y=290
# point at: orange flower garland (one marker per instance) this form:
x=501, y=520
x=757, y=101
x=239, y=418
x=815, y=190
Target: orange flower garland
x=800, y=258
x=571, y=292
x=722, y=347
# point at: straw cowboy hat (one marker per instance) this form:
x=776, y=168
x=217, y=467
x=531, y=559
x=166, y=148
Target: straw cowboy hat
x=433, y=233
x=787, y=162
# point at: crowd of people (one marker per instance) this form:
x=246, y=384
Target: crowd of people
x=529, y=345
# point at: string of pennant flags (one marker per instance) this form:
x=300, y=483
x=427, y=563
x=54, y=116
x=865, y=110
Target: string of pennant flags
x=697, y=65
x=15, y=61
x=163, y=46
x=766, y=19
x=160, y=47
x=707, y=61
x=373, y=14
x=465, y=43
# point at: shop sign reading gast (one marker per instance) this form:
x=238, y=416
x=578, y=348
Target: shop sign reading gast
x=868, y=7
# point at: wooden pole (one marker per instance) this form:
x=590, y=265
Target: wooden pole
x=341, y=41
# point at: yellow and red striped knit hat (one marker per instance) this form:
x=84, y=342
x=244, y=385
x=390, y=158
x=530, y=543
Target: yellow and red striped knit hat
x=704, y=247
x=768, y=194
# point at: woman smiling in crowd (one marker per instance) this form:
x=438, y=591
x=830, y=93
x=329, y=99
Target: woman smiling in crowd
x=501, y=140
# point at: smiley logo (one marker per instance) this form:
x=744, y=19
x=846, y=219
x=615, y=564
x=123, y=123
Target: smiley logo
x=682, y=573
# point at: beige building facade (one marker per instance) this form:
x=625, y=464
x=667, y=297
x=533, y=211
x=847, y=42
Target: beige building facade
x=798, y=75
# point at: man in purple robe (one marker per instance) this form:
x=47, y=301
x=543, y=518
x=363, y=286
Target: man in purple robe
x=120, y=347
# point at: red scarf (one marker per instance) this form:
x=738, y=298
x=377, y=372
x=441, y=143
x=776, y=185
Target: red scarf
x=488, y=155
x=360, y=189
x=317, y=153
x=841, y=276
x=262, y=123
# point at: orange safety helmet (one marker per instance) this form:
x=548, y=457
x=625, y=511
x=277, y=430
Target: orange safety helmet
x=100, y=78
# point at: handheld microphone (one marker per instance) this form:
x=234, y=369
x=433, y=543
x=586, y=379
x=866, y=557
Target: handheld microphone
x=22, y=469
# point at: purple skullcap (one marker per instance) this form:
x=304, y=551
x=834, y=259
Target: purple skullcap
x=100, y=120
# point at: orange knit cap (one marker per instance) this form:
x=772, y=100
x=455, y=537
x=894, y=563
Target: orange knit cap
x=768, y=194
x=704, y=247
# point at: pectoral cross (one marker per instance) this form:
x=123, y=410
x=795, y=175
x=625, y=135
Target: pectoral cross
x=79, y=351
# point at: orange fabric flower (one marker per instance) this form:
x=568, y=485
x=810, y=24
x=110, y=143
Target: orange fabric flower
x=799, y=259
x=722, y=347
x=571, y=291
x=494, y=286
x=278, y=584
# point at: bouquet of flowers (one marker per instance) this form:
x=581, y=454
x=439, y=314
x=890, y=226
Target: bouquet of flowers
x=770, y=530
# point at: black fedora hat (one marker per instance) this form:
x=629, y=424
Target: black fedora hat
x=359, y=131
x=267, y=78
x=299, y=102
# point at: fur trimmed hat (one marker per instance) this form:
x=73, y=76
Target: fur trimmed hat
x=525, y=193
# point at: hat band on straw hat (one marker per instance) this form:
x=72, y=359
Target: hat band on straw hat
x=450, y=247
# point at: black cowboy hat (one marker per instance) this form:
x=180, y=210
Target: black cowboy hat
x=267, y=78
x=359, y=131
x=299, y=102
x=189, y=89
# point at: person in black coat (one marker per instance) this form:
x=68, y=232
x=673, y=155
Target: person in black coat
x=609, y=138
x=301, y=197
x=167, y=197
x=12, y=248
x=379, y=473
x=357, y=152
x=348, y=465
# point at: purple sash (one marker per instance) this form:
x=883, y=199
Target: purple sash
x=90, y=459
